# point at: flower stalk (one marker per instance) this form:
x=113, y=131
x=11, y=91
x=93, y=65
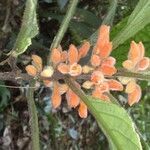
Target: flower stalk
x=33, y=117
x=64, y=25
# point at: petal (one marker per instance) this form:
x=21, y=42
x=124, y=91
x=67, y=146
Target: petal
x=109, y=61
x=75, y=69
x=83, y=50
x=47, y=72
x=64, y=56
x=143, y=64
x=142, y=49
x=115, y=85
x=95, y=60
x=135, y=96
x=72, y=99
x=72, y=54
x=82, y=110
x=63, y=68
x=56, y=56
x=105, y=50
x=103, y=38
x=131, y=86
x=134, y=52
x=31, y=70
x=56, y=96
x=108, y=70
x=97, y=77
x=37, y=62
x=128, y=64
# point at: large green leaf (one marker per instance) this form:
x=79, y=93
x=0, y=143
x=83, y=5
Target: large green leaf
x=29, y=29
x=137, y=21
x=116, y=124
x=113, y=120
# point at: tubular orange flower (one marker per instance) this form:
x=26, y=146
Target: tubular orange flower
x=83, y=50
x=107, y=70
x=134, y=96
x=72, y=54
x=56, y=56
x=31, y=70
x=143, y=64
x=72, y=99
x=37, y=62
x=114, y=85
x=56, y=96
x=103, y=46
x=136, y=62
x=82, y=110
x=63, y=68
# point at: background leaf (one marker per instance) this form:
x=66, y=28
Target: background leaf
x=137, y=21
x=116, y=124
x=29, y=28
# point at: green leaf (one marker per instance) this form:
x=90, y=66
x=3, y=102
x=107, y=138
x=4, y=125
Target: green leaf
x=116, y=124
x=107, y=20
x=29, y=29
x=137, y=21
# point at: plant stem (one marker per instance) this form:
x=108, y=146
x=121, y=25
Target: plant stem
x=133, y=75
x=64, y=25
x=33, y=118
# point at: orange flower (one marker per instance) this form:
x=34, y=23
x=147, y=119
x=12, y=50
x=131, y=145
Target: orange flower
x=103, y=46
x=31, y=70
x=72, y=99
x=135, y=95
x=82, y=111
x=56, y=96
x=136, y=62
x=71, y=65
x=36, y=66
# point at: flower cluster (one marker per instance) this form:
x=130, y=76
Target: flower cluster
x=136, y=62
x=101, y=70
x=103, y=66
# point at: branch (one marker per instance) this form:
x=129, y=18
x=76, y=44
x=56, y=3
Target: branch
x=33, y=118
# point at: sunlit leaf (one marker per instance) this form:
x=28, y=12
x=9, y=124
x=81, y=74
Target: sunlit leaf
x=137, y=21
x=116, y=125
x=29, y=29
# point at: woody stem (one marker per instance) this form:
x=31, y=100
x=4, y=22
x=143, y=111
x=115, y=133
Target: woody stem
x=33, y=118
x=63, y=27
x=139, y=76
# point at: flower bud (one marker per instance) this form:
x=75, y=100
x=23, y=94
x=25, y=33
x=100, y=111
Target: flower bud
x=47, y=72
